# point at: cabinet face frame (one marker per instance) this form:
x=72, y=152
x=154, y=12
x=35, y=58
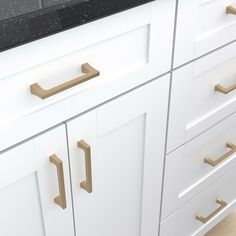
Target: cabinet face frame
x=141, y=116
x=28, y=167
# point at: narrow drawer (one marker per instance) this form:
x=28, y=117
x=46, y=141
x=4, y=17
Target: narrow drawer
x=192, y=167
x=211, y=206
x=134, y=50
x=203, y=93
x=202, y=26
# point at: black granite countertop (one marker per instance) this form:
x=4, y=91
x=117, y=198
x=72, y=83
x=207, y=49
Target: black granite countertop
x=23, y=21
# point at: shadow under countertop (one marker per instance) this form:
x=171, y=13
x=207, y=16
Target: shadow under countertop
x=52, y=16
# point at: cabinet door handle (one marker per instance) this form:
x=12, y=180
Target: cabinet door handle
x=221, y=89
x=86, y=184
x=61, y=198
x=89, y=71
x=204, y=220
x=230, y=10
x=214, y=163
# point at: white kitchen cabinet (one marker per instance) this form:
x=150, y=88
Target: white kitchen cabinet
x=126, y=138
x=110, y=129
x=120, y=111
x=203, y=26
x=205, y=210
x=192, y=167
x=197, y=103
x=136, y=49
x=117, y=152
x=29, y=184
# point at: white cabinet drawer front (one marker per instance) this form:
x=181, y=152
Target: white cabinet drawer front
x=192, y=167
x=195, y=105
x=112, y=58
x=128, y=49
x=202, y=26
x=183, y=222
x=29, y=183
x=126, y=138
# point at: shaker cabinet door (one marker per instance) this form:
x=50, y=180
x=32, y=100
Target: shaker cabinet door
x=29, y=182
x=116, y=154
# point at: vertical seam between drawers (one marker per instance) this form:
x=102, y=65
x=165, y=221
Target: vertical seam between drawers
x=168, y=111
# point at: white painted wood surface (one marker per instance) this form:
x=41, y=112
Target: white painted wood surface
x=136, y=48
x=183, y=222
x=186, y=173
x=195, y=105
x=57, y=221
x=28, y=186
x=126, y=137
x=127, y=134
x=202, y=26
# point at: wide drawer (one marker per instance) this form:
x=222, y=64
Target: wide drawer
x=134, y=50
x=191, y=168
x=203, y=93
x=202, y=26
x=205, y=210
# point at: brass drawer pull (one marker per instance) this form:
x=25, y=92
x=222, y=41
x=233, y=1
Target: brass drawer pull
x=214, y=163
x=86, y=184
x=89, y=71
x=221, y=89
x=231, y=10
x=204, y=220
x=61, y=198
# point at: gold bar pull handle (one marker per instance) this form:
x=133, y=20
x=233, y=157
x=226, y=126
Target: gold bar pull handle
x=221, y=89
x=214, y=163
x=89, y=71
x=204, y=220
x=230, y=10
x=61, y=198
x=86, y=184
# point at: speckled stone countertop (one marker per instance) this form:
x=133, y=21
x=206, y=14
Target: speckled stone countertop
x=23, y=21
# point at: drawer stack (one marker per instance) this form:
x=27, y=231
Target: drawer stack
x=200, y=166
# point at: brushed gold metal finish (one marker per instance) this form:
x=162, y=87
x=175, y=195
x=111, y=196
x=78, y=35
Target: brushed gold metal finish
x=61, y=198
x=214, y=163
x=86, y=184
x=221, y=89
x=89, y=71
x=204, y=220
x=230, y=10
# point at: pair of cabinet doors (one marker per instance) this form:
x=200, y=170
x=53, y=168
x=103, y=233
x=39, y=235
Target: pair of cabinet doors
x=99, y=173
